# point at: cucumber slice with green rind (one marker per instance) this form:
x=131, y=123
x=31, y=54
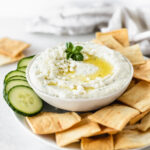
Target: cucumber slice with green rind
x=17, y=77
x=14, y=73
x=5, y=96
x=24, y=61
x=23, y=100
x=23, y=69
x=11, y=83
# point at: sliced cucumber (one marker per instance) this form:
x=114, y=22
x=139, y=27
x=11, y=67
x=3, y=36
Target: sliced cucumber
x=24, y=61
x=17, y=77
x=23, y=69
x=5, y=95
x=11, y=83
x=14, y=73
x=23, y=100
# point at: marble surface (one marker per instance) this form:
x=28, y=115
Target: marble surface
x=12, y=135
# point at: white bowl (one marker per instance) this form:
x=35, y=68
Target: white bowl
x=82, y=104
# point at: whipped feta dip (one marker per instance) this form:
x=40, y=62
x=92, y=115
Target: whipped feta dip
x=103, y=71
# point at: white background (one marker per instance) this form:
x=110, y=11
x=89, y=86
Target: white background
x=29, y=8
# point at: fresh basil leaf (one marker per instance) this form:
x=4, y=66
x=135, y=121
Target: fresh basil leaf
x=78, y=49
x=74, y=49
x=69, y=55
x=73, y=52
x=67, y=50
x=78, y=57
x=69, y=46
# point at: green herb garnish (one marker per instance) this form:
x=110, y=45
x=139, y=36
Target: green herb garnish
x=74, y=52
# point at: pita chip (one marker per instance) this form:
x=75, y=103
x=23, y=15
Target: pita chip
x=97, y=143
x=132, y=83
x=85, y=128
x=142, y=72
x=114, y=116
x=138, y=97
x=144, y=125
x=11, y=47
x=108, y=41
x=48, y=122
x=138, y=117
x=130, y=139
x=134, y=54
x=8, y=60
x=120, y=35
x=105, y=130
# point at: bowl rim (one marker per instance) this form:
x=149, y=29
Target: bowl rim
x=75, y=99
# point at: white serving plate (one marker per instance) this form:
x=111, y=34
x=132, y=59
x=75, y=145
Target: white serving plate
x=50, y=139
